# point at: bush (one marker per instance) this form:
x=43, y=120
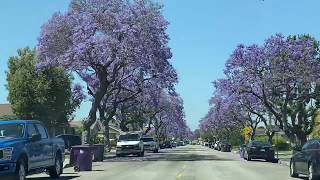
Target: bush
x=113, y=143
x=281, y=144
x=263, y=138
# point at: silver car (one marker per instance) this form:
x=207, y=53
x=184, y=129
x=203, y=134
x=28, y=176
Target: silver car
x=150, y=144
x=130, y=144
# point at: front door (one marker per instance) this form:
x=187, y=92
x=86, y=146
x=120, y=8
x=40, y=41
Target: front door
x=47, y=156
x=33, y=148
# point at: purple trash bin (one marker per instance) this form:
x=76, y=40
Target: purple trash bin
x=81, y=158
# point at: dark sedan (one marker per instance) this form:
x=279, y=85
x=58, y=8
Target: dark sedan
x=166, y=144
x=307, y=161
x=225, y=146
x=259, y=150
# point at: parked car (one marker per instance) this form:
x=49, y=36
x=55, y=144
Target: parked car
x=174, y=144
x=259, y=150
x=180, y=143
x=150, y=144
x=167, y=144
x=130, y=144
x=216, y=145
x=206, y=143
x=225, y=146
x=26, y=147
x=211, y=144
x=70, y=140
x=307, y=160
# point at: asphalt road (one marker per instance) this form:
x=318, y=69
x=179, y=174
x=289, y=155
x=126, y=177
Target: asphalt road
x=182, y=163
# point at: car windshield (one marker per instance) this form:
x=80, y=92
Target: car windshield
x=147, y=139
x=260, y=143
x=11, y=130
x=129, y=137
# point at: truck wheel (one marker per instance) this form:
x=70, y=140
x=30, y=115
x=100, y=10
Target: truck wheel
x=21, y=170
x=56, y=170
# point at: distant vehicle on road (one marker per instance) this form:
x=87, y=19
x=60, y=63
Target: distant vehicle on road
x=206, y=143
x=180, y=143
x=225, y=146
x=217, y=146
x=307, y=160
x=165, y=144
x=70, y=140
x=174, y=144
x=130, y=144
x=211, y=145
x=26, y=147
x=259, y=150
x=150, y=144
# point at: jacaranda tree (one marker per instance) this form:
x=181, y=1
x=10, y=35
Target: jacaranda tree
x=115, y=46
x=278, y=81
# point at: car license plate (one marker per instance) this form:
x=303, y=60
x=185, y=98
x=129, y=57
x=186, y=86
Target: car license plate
x=262, y=150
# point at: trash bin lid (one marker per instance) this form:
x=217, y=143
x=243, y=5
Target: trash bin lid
x=80, y=147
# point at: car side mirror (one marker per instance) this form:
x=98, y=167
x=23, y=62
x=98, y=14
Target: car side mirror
x=35, y=137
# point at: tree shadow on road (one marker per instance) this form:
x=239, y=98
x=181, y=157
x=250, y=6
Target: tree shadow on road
x=189, y=157
x=170, y=157
x=47, y=178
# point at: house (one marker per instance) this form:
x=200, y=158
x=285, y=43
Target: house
x=6, y=110
x=98, y=128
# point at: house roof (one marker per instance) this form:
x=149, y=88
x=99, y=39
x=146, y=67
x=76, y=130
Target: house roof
x=5, y=109
x=79, y=124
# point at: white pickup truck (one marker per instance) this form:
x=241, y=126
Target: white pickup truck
x=130, y=144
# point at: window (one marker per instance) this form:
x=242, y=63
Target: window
x=310, y=145
x=129, y=137
x=31, y=130
x=42, y=131
x=11, y=130
x=314, y=145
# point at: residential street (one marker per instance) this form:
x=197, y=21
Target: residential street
x=182, y=163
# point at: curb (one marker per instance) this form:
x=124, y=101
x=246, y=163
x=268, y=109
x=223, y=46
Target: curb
x=285, y=163
x=66, y=163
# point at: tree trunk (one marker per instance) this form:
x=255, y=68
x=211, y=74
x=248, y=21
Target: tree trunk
x=107, y=135
x=123, y=126
x=270, y=136
x=149, y=127
x=253, y=134
x=93, y=112
x=301, y=137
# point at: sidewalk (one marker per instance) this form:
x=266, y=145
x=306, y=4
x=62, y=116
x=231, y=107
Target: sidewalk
x=284, y=157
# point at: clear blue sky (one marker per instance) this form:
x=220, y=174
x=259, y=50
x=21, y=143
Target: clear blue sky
x=203, y=35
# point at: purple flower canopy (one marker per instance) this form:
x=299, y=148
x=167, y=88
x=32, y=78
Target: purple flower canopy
x=120, y=49
x=270, y=78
